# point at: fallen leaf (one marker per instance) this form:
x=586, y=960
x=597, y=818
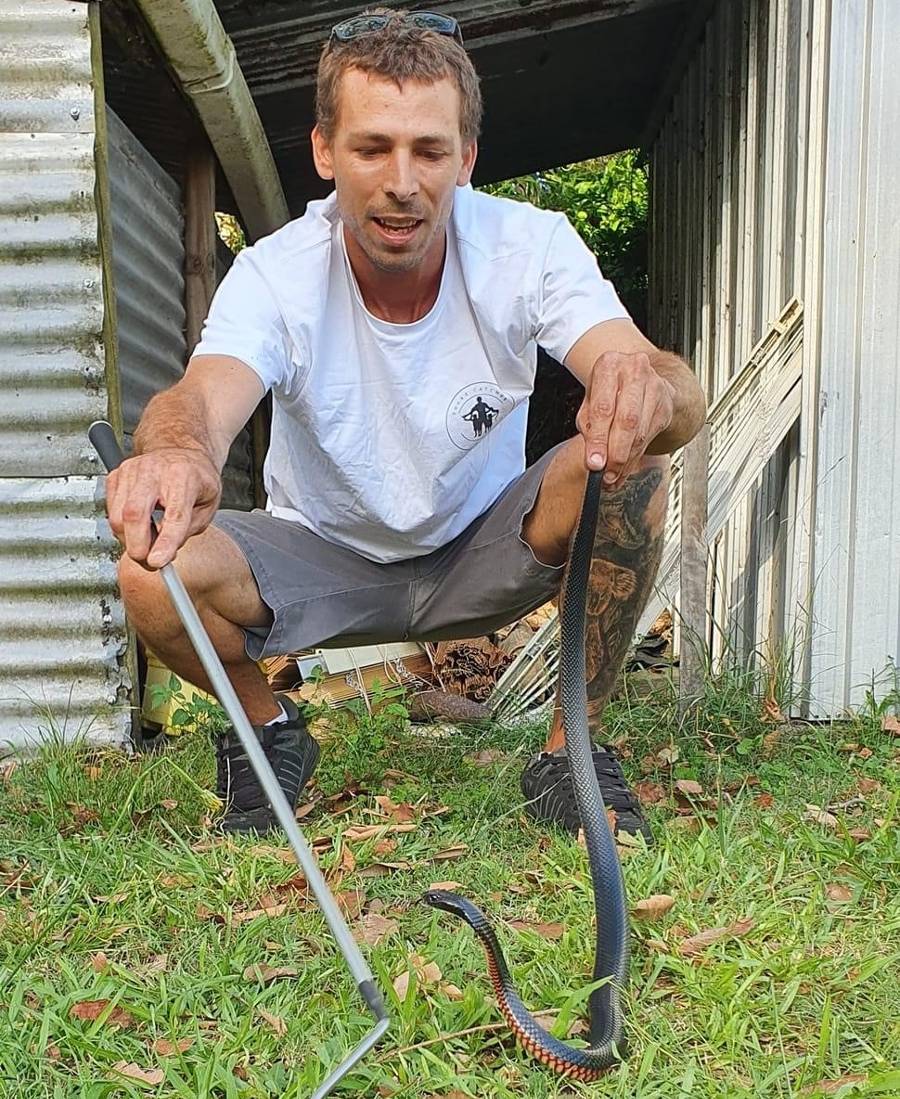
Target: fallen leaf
x=649, y=793
x=764, y=800
x=447, y=886
x=860, y=834
x=202, y=912
x=771, y=711
x=865, y=753
x=868, y=785
x=265, y=974
x=275, y=1021
x=486, y=757
x=91, y=1010
x=890, y=723
x=831, y=1087
x=401, y=812
x=374, y=927
x=347, y=862
x=112, y=898
x=545, y=930
x=304, y=810
x=360, y=832
x=384, y=847
x=695, y=943
x=688, y=786
x=270, y=911
x=54, y=1052
x=427, y=973
x=838, y=893
x=451, y=991
x=168, y=803
x=173, y=881
x=668, y=756
x=156, y=963
x=99, y=961
x=817, y=815
x=133, y=1072
x=165, y=1048
x=455, y=852
x=653, y=907
x=770, y=742
x=351, y=901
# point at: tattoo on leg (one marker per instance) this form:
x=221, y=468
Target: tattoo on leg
x=624, y=562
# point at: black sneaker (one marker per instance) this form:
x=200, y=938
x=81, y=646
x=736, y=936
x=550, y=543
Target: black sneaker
x=293, y=754
x=550, y=793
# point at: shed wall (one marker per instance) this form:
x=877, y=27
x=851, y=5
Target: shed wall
x=61, y=634
x=855, y=576
x=737, y=156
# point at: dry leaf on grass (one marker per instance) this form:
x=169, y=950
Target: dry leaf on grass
x=99, y=961
x=649, y=793
x=455, y=852
x=545, y=930
x=399, y=812
x=275, y=1021
x=351, y=902
x=831, y=1087
x=890, y=723
x=91, y=1010
x=265, y=974
x=817, y=815
x=165, y=1048
x=360, y=832
x=427, y=973
x=486, y=757
x=764, y=800
x=134, y=1072
x=374, y=927
x=447, y=886
x=653, y=907
x=868, y=785
x=840, y=894
x=667, y=756
x=688, y=786
x=695, y=943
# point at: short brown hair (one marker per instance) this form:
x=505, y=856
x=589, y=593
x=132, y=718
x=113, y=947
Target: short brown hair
x=399, y=52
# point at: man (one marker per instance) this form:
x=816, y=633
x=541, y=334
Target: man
x=380, y=320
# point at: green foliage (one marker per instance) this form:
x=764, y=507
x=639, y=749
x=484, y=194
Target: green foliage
x=606, y=199
x=193, y=713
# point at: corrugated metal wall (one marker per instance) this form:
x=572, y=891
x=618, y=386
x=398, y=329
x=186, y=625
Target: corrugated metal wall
x=148, y=268
x=736, y=159
x=61, y=632
x=856, y=542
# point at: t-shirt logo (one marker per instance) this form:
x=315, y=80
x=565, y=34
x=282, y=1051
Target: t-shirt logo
x=474, y=411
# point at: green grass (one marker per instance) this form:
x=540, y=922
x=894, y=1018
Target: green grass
x=809, y=993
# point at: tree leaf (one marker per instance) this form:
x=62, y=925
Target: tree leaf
x=653, y=907
x=688, y=786
x=266, y=974
x=840, y=894
x=695, y=943
x=165, y=1048
x=91, y=1010
x=134, y=1072
x=545, y=930
x=275, y=1021
x=374, y=927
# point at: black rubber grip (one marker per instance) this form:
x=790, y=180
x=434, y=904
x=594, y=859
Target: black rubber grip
x=105, y=443
x=372, y=995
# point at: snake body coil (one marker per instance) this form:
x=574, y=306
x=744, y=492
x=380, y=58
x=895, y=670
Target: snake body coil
x=611, y=958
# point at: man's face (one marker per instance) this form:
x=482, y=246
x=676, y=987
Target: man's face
x=396, y=158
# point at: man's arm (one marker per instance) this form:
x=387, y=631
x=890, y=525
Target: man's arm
x=638, y=399
x=181, y=446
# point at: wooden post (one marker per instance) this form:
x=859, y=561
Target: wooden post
x=199, y=237
x=694, y=505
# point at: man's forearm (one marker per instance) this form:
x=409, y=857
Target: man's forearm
x=689, y=412
x=178, y=418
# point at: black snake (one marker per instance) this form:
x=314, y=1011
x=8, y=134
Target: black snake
x=607, y=1044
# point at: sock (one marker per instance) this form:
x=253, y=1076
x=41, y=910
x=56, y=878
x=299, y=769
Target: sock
x=281, y=718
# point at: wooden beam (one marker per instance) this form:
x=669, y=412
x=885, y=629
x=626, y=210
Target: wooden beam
x=694, y=505
x=199, y=237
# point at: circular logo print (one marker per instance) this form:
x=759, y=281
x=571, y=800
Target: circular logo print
x=474, y=411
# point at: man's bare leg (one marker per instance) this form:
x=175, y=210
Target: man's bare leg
x=624, y=561
x=222, y=588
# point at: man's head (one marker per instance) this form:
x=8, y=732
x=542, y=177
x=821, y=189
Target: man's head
x=398, y=111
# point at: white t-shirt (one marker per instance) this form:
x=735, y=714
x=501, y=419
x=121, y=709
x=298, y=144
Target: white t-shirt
x=391, y=439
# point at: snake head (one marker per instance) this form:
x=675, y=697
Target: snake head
x=447, y=902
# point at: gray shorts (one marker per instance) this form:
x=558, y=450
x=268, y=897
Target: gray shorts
x=322, y=594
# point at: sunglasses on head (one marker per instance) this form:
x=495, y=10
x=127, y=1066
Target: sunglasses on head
x=360, y=25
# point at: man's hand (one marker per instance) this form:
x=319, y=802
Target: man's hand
x=626, y=405
x=183, y=481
